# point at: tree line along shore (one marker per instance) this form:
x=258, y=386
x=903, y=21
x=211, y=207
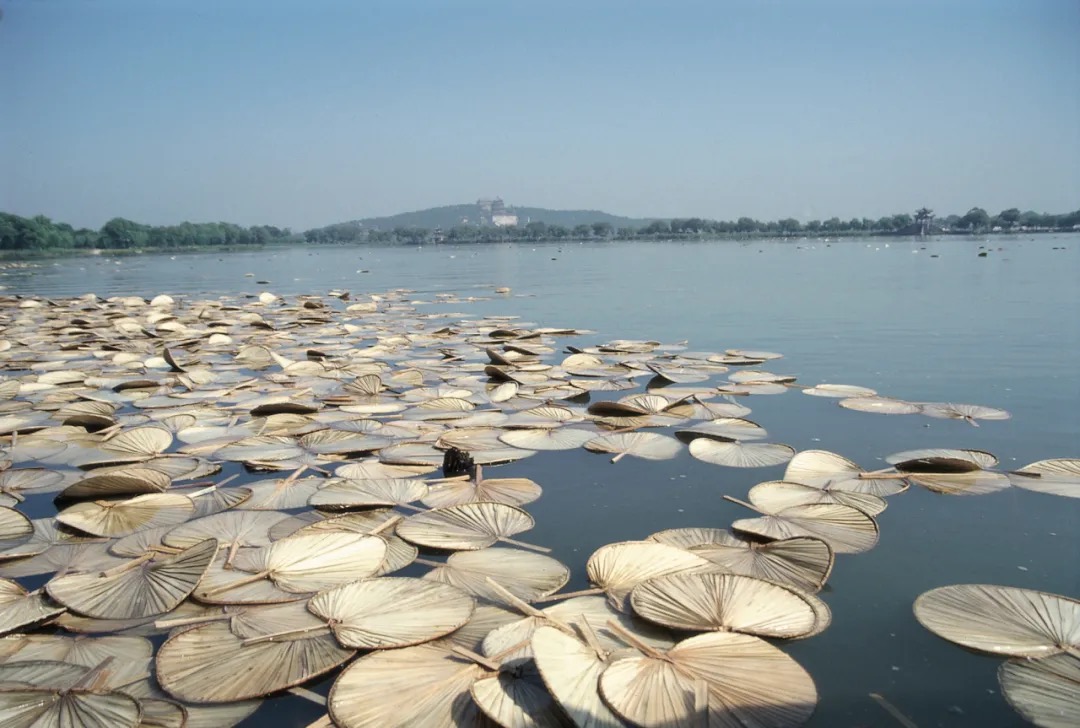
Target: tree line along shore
x=41, y=235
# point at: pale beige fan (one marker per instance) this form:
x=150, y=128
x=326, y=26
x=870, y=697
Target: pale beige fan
x=802, y=562
x=546, y=416
x=970, y=413
x=373, y=469
x=738, y=454
x=126, y=480
x=20, y=608
x=578, y=615
x=392, y=611
x=129, y=446
x=232, y=586
x=724, y=429
x=518, y=697
x=80, y=701
x=122, y=517
x=342, y=494
x=646, y=445
x=943, y=457
x=40, y=673
x=280, y=493
x=879, y=405
x=952, y=476
x=616, y=568
x=50, y=549
x=1002, y=620
x=552, y=438
x=976, y=482
x=211, y=664
x=486, y=617
x=528, y=576
x=468, y=527
x=724, y=603
x=399, y=553
x=777, y=495
x=1045, y=691
x=719, y=678
x=847, y=530
x=130, y=656
x=232, y=529
x=571, y=672
x=15, y=530
x=411, y=454
x=149, y=585
x=309, y=562
x=827, y=470
x=1056, y=477
x=425, y=686
x=482, y=444
x=478, y=489
x=839, y=391
x=16, y=481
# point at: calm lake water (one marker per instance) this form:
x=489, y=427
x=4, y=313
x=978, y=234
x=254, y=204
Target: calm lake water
x=921, y=320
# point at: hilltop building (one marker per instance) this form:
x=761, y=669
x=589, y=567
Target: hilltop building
x=495, y=212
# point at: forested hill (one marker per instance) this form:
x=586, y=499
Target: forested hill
x=452, y=215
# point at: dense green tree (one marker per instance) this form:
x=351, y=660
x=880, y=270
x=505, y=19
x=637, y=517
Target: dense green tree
x=789, y=225
x=975, y=219
x=602, y=229
x=1007, y=218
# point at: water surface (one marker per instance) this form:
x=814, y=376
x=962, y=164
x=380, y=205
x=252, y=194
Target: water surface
x=920, y=320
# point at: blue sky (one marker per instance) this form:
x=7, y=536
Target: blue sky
x=308, y=113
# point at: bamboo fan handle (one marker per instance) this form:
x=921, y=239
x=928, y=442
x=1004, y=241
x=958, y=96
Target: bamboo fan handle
x=595, y=591
x=129, y=565
x=185, y=621
x=238, y=583
x=620, y=456
x=478, y=659
x=385, y=526
x=701, y=700
x=590, y=637
x=744, y=504
x=523, y=545
x=286, y=633
x=634, y=641
x=510, y=598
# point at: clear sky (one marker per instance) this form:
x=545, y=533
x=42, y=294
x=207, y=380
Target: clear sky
x=307, y=113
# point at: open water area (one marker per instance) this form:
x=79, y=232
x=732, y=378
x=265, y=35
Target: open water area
x=921, y=320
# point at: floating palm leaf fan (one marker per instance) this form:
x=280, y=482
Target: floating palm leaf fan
x=615, y=569
x=1044, y=691
x=720, y=678
x=724, y=603
x=20, y=608
x=737, y=454
x=468, y=527
x=309, y=562
x=149, y=585
x=970, y=413
x=528, y=576
x=1002, y=620
x=777, y=494
x=847, y=530
x=476, y=489
x=1055, y=477
x=646, y=445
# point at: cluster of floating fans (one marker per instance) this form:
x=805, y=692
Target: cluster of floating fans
x=140, y=415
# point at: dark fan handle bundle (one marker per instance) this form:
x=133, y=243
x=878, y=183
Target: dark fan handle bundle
x=457, y=462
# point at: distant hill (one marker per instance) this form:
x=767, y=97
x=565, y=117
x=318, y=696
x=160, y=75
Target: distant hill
x=451, y=215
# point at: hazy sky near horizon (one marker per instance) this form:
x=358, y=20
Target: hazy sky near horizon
x=305, y=114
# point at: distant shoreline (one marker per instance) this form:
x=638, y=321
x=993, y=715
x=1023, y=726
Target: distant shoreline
x=15, y=256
